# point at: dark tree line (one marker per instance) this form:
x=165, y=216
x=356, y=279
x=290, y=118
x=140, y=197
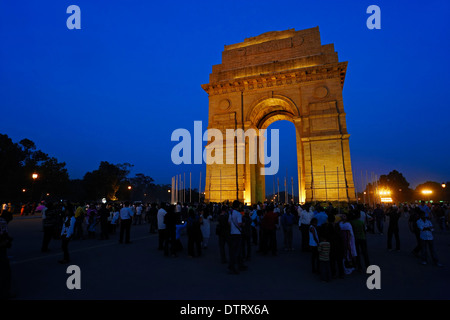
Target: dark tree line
x=27, y=174
x=400, y=190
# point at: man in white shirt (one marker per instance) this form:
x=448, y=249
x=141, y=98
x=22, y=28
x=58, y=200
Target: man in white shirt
x=138, y=216
x=161, y=227
x=235, y=242
x=304, y=220
x=125, y=214
x=178, y=208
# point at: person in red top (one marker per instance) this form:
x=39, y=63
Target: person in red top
x=269, y=224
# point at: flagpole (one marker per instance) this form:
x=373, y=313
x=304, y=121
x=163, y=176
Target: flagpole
x=171, y=191
x=200, y=188
x=363, y=188
x=368, y=189
x=278, y=189
x=292, y=189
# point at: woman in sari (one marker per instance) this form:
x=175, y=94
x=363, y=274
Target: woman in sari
x=349, y=244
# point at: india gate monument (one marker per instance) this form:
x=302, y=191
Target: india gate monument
x=281, y=75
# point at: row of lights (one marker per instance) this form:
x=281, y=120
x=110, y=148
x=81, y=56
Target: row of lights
x=424, y=191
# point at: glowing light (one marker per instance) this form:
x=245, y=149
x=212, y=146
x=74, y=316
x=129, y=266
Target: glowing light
x=443, y=185
x=387, y=199
x=34, y=176
x=426, y=191
x=129, y=187
x=24, y=190
x=384, y=192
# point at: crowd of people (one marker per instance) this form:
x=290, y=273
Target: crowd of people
x=334, y=237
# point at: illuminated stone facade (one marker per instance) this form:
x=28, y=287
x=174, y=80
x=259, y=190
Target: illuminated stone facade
x=282, y=75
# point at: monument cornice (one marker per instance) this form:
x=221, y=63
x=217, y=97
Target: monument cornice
x=277, y=79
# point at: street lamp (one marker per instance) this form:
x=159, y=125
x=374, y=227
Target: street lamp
x=34, y=176
x=443, y=185
x=129, y=187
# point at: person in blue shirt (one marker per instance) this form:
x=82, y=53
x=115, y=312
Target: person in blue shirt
x=321, y=216
x=425, y=209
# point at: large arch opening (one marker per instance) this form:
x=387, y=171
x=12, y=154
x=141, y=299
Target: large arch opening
x=284, y=185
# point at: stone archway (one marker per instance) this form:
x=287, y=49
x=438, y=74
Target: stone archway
x=285, y=75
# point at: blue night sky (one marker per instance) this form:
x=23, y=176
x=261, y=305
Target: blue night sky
x=116, y=89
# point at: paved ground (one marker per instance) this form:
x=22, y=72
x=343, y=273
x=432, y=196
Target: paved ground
x=138, y=271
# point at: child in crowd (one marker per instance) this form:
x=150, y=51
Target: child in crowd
x=324, y=259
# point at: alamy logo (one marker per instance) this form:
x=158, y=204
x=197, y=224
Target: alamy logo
x=74, y=20
x=74, y=280
x=374, y=280
x=232, y=147
x=374, y=21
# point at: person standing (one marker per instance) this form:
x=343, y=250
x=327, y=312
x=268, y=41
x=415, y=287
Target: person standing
x=359, y=232
x=236, y=262
x=223, y=233
x=423, y=206
x=379, y=218
x=80, y=214
x=246, y=235
x=332, y=233
x=426, y=236
x=348, y=239
x=104, y=214
x=393, y=230
x=304, y=220
x=255, y=222
x=269, y=224
x=49, y=223
x=138, y=216
x=152, y=217
x=5, y=267
x=66, y=234
x=414, y=216
x=126, y=216
x=205, y=226
x=194, y=234
x=324, y=259
x=162, y=234
x=92, y=216
x=115, y=214
x=287, y=221
x=313, y=244
x=170, y=220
